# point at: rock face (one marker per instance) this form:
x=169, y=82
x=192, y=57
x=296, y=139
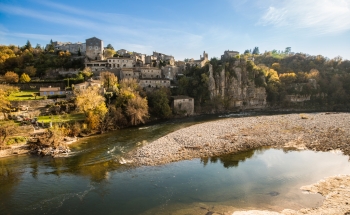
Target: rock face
x=237, y=90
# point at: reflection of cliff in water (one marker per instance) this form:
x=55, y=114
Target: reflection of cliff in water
x=232, y=160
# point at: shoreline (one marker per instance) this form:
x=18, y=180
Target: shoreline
x=317, y=132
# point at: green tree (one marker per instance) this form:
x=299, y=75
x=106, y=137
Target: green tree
x=109, y=46
x=158, y=103
x=256, y=51
x=24, y=78
x=28, y=45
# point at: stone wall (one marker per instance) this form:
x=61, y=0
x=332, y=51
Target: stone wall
x=32, y=104
x=37, y=85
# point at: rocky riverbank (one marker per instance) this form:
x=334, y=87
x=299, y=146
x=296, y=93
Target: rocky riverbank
x=320, y=132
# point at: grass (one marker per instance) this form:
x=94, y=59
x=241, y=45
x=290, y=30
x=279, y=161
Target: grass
x=25, y=95
x=62, y=118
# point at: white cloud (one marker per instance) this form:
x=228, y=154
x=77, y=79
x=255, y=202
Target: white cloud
x=319, y=16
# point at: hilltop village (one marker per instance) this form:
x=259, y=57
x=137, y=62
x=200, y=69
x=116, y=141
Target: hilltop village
x=162, y=70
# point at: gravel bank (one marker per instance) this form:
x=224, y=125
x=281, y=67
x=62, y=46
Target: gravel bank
x=320, y=132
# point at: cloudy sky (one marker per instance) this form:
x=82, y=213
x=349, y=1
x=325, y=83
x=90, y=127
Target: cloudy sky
x=183, y=29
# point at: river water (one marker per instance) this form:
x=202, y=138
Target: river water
x=91, y=180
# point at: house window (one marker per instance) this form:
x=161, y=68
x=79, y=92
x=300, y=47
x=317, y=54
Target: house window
x=52, y=93
x=45, y=93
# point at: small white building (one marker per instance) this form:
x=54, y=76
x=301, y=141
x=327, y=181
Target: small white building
x=183, y=105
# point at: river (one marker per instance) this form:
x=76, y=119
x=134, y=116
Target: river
x=91, y=180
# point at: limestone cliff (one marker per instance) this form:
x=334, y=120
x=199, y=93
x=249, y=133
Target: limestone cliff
x=236, y=89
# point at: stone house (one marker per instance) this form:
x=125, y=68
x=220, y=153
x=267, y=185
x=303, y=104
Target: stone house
x=151, y=72
x=129, y=73
x=51, y=91
x=229, y=54
x=116, y=62
x=154, y=83
x=183, y=105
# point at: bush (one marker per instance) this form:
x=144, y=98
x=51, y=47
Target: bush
x=19, y=139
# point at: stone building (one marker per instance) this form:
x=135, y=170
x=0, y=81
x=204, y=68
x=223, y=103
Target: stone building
x=154, y=83
x=116, y=62
x=170, y=72
x=151, y=72
x=229, y=54
x=165, y=58
x=94, y=48
x=68, y=46
x=129, y=73
x=97, y=66
x=200, y=63
x=183, y=105
x=50, y=91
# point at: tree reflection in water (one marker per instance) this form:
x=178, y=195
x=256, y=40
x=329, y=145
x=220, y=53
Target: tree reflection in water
x=232, y=160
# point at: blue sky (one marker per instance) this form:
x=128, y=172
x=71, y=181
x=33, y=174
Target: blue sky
x=183, y=29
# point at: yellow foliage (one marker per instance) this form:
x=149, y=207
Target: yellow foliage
x=272, y=76
x=288, y=77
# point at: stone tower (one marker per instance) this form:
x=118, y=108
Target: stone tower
x=94, y=48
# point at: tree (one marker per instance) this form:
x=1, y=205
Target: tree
x=87, y=72
x=137, y=110
x=109, y=46
x=109, y=53
x=28, y=45
x=288, y=78
x=79, y=52
x=11, y=77
x=24, y=78
x=108, y=79
x=247, y=51
x=89, y=99
x=158, y=103
x=288, y=50
x=6, y=130
x=30, y=70
x=256, y=51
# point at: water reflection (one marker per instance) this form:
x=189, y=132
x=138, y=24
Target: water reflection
x=232, y=160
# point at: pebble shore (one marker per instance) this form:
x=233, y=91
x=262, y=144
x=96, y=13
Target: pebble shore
x=319, y=132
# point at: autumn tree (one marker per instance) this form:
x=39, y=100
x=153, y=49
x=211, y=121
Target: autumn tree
x=7, y=129
x=109, y=53
x=11, y=77
x=87, y=73
x=137, y=110
x=288, y=78
x=30, y=70
x=88, y=99
x=24, y=78
x=108, y=79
